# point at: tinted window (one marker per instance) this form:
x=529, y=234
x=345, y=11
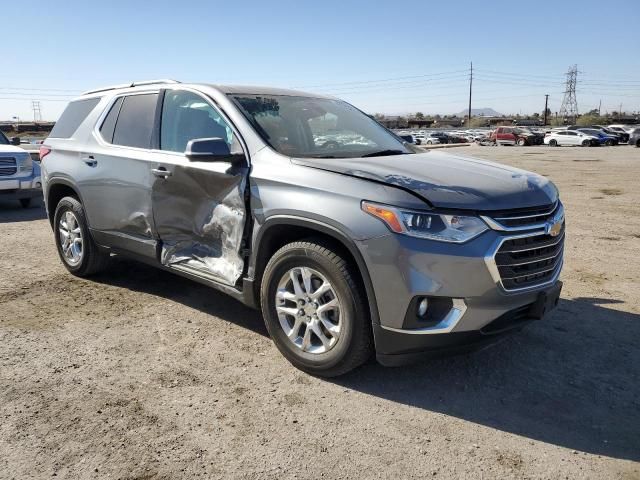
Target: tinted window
x=3, y=139
x=186, y=116
x=109, y=124
x=72, y=117
x=135, y=121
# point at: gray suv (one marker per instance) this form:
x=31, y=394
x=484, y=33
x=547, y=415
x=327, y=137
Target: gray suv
x=301, y=205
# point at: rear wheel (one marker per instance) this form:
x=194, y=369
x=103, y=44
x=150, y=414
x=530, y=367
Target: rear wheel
x=586, y=143
x=609, y=143
x=77, y=250
x=553, y=143
x=522, y=142
x=314, y=309
x=638, y=143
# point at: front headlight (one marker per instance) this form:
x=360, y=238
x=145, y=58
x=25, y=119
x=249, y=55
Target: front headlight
x=25, y=163
x=432, y=226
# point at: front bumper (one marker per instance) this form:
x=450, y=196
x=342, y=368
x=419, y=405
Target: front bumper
x=402, y=268
x=394, y=348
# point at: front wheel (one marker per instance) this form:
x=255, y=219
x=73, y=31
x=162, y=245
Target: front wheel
x=553, y=143
x=77, y=250
x=586, y=143
x=522, y=142
x=609, y=143
x=314, y=309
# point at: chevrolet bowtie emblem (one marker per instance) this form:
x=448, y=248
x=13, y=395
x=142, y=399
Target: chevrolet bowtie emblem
x=554, y=228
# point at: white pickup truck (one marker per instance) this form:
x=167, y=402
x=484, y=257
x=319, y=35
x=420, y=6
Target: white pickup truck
x=19, y=174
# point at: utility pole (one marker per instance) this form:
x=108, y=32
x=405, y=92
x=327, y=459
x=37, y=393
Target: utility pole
x=546, y=108
x=470, y=88
x=599, y=107
x=620, y=111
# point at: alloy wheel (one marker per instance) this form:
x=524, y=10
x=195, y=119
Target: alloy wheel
x=308, y=310
x=71, y=241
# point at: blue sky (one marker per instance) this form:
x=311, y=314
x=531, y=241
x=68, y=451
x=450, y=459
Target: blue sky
x=389, y=57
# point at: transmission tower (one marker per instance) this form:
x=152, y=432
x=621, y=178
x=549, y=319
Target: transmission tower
x=37, y=112
x=569, y=108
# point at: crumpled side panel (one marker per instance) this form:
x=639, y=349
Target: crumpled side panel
x=200, y=217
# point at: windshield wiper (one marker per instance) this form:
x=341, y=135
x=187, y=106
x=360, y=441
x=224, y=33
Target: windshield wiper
x=383, y=153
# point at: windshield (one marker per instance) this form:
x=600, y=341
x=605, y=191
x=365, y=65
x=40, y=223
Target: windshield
x=3, y=139
x=317, y=127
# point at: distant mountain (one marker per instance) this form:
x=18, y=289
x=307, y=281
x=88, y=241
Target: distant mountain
x=481, y=112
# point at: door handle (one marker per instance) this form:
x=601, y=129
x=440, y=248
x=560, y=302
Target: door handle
x=161, y=172
x=89, y=160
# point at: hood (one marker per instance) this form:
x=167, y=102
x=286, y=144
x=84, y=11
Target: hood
x=446, y=180
x=11, y=149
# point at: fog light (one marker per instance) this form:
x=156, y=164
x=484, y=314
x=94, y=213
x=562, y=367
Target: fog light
x=422, y=307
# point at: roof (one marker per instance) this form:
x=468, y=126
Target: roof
x=226, y=89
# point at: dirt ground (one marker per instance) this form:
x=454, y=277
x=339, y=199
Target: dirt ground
x=139, y=374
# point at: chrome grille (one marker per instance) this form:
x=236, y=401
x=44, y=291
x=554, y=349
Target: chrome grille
x=8, y=166
x=523, y=218
x=529, y=261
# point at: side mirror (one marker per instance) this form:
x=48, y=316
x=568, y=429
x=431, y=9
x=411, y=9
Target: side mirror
x=15, y=141
x=208, y=150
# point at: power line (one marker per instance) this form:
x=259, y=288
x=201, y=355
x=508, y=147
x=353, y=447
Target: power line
x=381, y=80
x=40, y=89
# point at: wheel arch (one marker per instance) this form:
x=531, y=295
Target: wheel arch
x=57, y=189
x=281, y=230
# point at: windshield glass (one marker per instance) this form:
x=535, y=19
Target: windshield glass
x=317, y=127
x=3, y=139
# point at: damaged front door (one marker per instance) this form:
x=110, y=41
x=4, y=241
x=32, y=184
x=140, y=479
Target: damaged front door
x=198, y=206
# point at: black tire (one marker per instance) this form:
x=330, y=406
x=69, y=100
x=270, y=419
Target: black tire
x=522, y=142
x=25, y=202
x=93, y=259
x=355, y=345
x=638, y=143
x=553, y=143
x=609, y=143
x=586, y=143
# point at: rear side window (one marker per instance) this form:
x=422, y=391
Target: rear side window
x=72, y=117
x=135, y=121
x=109, y=124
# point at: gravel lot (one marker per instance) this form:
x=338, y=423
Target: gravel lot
x=141, y=374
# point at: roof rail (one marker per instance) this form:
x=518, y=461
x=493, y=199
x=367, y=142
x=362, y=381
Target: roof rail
x=129, y=85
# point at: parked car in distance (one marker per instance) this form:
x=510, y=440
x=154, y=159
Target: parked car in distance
x=603, y=138
x=409, y=138
x=432, y=139
x=571, y=138
x=623, y=137
x=623, y=128
x=348, y=245
x=19, y=174
x=515, y=136
x=634, y=137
